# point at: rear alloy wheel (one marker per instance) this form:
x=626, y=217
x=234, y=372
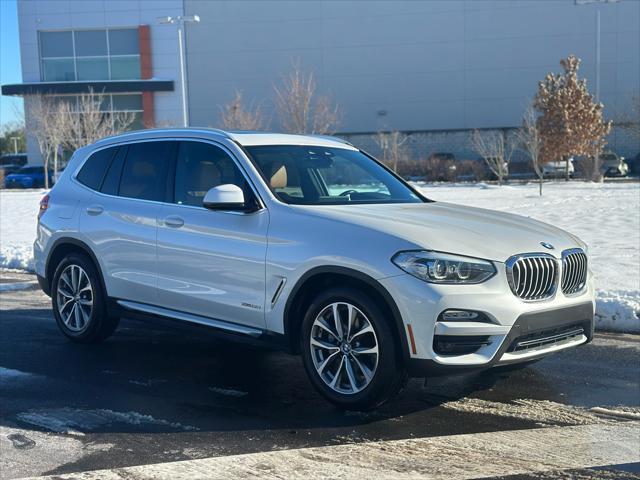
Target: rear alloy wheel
x=349, y=351
x=75, y=298
x=79, y=304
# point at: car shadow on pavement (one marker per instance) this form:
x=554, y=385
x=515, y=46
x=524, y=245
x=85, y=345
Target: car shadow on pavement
x=191, y=381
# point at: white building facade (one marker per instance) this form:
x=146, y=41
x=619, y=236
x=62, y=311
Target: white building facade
x=440, y=67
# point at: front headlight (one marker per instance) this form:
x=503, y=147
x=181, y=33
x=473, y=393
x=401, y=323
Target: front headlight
x=436, y=267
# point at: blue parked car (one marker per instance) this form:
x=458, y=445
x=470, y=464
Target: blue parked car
x=27, y=177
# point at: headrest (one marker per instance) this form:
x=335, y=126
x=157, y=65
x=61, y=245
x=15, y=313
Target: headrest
x=278, y=176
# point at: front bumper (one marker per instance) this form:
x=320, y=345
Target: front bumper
x=549, y=325
x=574, y=326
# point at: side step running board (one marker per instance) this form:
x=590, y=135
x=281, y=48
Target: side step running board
x=188, y=317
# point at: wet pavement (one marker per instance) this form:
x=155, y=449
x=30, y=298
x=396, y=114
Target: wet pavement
x=154, y=394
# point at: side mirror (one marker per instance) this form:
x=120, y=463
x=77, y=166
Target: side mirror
x=224, y=197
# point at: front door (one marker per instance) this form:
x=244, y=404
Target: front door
x=211, y=263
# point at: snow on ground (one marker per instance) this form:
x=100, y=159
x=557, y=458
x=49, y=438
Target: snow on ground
x=18, y=214
x=77, y=421
x=606, y=216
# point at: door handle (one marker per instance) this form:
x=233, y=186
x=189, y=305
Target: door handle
x=173, y=221
x=95, y=210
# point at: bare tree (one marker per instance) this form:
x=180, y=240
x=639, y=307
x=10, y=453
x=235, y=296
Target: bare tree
x=495, y=150
x=235, y=116
x=531, y=142
x=392, y=146
x=49, y=125
x=299, y=107
x=570, y=122
x=88, y=121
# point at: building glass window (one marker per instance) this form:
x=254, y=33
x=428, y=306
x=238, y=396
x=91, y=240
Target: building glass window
x=110, y=104
x=91, y=43
x=56, y=44
x=123, y=68
x=111, y=54
x=124, y=41
x=56, y=69
x=92, y=68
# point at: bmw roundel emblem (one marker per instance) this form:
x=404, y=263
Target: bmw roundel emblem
x=548, y=246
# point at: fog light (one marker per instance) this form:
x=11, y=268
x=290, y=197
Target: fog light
x=458, y=315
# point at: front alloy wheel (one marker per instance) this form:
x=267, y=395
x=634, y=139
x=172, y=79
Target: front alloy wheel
x=350, y=350
x=344, y=348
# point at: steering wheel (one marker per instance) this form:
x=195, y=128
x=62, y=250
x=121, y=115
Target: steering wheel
x=348, y=192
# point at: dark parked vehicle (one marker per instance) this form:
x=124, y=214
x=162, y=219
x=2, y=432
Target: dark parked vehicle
x=13, y=159
x=8, y=169
x=27, y=177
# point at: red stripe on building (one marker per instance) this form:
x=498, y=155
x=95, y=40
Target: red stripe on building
x=146, y=72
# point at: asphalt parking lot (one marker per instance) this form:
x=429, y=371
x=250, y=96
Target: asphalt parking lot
x=158, y=395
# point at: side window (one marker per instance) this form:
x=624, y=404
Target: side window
x=94, y=169
x=145, y=172
x=112, y=178
x=200, y=167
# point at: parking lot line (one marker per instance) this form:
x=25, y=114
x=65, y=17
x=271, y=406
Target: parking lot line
x=480, y=455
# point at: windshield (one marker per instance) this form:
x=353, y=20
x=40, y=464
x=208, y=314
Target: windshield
x=305, y=175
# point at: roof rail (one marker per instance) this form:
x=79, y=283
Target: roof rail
x=165, y=129
x=331, y=137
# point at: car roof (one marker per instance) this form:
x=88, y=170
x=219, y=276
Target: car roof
x=244, y=138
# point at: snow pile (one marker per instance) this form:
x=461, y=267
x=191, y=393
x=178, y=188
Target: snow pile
x=606, y=216
x=18, y=214
x=75, y=421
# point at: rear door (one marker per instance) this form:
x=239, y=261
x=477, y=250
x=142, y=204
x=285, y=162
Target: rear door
x=211, y=263
x=120, y=220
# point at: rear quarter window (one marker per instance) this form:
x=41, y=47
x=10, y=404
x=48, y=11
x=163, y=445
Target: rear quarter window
x=94, y=169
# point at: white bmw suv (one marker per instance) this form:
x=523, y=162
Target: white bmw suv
x=308, y=244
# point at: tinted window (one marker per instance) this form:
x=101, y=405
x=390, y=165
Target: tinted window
x=112, y=179
x=95, y=167
x=144, y=175
x=200, y=167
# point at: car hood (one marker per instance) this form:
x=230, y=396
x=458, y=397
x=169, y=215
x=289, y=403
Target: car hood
x=463, y=230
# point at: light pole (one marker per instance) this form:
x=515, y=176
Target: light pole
x=15, y=144
x=597, y=2
x=180, y=20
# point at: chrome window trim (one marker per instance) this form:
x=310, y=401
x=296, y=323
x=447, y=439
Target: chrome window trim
x=511, y=261
x=261, y=204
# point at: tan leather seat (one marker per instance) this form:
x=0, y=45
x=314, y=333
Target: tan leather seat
x=278, y=176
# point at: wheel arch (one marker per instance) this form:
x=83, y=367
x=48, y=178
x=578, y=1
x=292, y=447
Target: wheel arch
x=329, y=276
x=61, y=248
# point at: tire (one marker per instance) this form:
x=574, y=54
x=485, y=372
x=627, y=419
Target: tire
x=79, y=302
x=364, y=380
